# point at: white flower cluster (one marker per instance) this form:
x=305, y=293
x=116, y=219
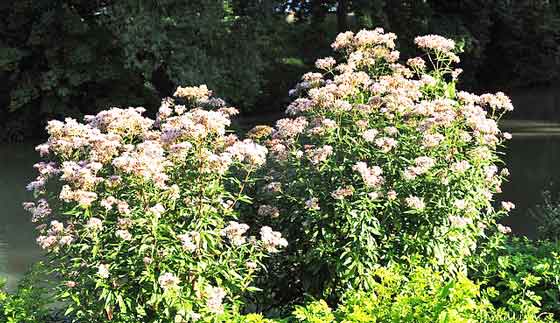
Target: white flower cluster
x=371, y=175
x=127, y=182
x=272, y=239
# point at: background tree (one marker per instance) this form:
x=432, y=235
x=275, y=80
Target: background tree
x=71, y=57
x=56, y=59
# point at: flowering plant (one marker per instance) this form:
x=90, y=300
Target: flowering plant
x=380, y=161
x=139, y=217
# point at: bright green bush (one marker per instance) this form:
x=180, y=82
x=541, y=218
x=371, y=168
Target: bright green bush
x=29, y=303
x=421, y=295
x=520, y=275
x=139, y=218
x=381, y=161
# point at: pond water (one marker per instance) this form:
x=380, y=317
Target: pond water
x=17, y=239
x=532, y=157
x=533, y=160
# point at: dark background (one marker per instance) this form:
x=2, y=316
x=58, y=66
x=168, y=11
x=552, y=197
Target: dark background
x=71, y=57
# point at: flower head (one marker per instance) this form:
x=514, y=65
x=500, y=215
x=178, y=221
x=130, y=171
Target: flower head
x=168, y=281
x=503, y=229
x=435, y=42
x=272, y=240
x=415, y=202
x=103, y=271
x=214, y=299
x=508, y=206
x=235, y=232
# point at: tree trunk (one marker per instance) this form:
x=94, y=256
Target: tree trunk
x=342, y=15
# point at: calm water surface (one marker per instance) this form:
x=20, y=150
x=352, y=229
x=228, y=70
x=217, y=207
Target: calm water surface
x=17, y=239
x=533, y=161
x=532, y=156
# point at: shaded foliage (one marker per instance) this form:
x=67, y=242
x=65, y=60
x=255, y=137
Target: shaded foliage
x=55, y=60
x=191, y=42
x=72, y=57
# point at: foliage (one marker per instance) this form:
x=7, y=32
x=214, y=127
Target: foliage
x=548, y=216
x=529, y=32
x=192, y=42
x=133, y=53
x=520, y=275
x=381, y=161
x=139, y=217
x=381, y=166
x=401, y=294
x=48, y=70
x=421, y=295
x=74, y=57
x=29, y=303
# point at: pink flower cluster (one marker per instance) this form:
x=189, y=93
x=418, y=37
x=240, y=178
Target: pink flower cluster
x=436, y=43
x=326, y=63
x=319, y=155
x=196, y=124
x=168, y=281
x=39, y=210
x=196, y=93
x=189, y=241
x=415, y=202
x=371, y=175
x=235, y=232
x=364, y=38
x=434, y=147
x=249, y=152
x=272, y=240
x=88, y=159
x=395, y=95
x=214, y=299
x=56, y=236
x=459, y=221
x=421, y=165
x=289, y=128
x=342, y=192
x=122, y=122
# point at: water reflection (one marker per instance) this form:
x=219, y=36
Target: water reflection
x=17, y=241
x=533, y=162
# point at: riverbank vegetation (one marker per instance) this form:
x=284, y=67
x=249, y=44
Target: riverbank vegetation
x=70, y=58
x=374, y=201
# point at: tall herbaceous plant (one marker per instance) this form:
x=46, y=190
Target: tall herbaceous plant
x=139, y=217
x=380, y=161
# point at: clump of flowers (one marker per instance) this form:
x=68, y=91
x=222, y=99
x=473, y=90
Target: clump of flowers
x=143, y=215
x=406, y=163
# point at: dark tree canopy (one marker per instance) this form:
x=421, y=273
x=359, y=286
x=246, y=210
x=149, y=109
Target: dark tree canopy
x=69, y=57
